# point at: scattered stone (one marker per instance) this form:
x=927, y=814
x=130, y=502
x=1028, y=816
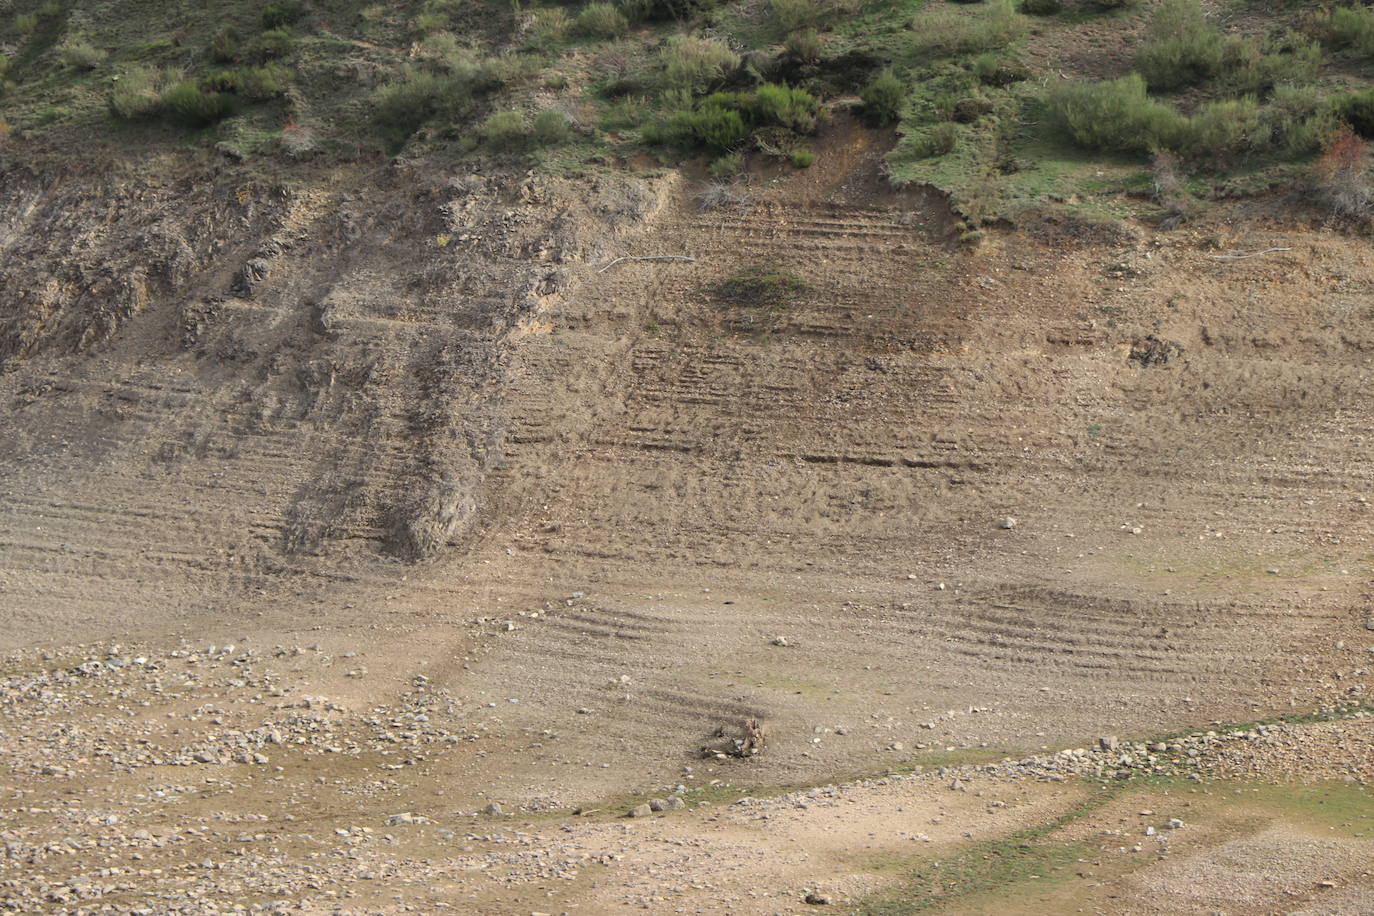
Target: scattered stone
x=780, y=641
x=493, y=809
x=640, y=811
x=671, y=803
x=1007, y=523
x=815, y=898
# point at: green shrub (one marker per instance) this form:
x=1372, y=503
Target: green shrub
x=431, y=21
x=883, y=99
x=273, y=44
x=402, y=107
x=26, y=23
x=803, y=158
x=696, y=64
x=995, y=70
x=189, y=105
x=255, y=84
x=950, y=33
x=933, y=142
x=1220, y=133
x=602, y=20
x=547, y=27
x=81, y=55
x=1113, y=115
x=804, y=45
x=552, y=127
x=1351, y=28
x=224, y=46
x=505, y=130
x=137, y=93
x=1181, y=48
x=636, y=10
x=1298, y=121
x=725, y=166
x=1357, y=110
x=795, y=109
x=283, y=12
x=1041, y=7
x=1251, y=66
x=1109, y=5
x=713, y=127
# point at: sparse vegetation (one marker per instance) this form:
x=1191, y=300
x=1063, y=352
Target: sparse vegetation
x=761, y=287
x=81, y=55
x=1343, y=175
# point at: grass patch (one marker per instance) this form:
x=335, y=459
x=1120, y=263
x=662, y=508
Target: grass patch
x=983, y=867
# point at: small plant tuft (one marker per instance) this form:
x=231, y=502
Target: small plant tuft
x=761, y=287
x=81, y=55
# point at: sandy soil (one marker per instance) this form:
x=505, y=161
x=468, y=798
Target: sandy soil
x=488, y=522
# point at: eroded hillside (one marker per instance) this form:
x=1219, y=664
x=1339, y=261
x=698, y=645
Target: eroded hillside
x=588, y=524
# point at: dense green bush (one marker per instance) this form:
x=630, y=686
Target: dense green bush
x=883, y=99
x=602, y=20
x=1298, y=121
x=1041, y=7
x=1351, y=28
x=255, y=84
x=1222, y=132
x=784, y=106
x=712, y=127
x=283, y=12
x=1113, y=115
x=1357, y=110
x=403, y=106
x=551, y=127
x=505, y=131
x=725, y=120
x=1181, y=48
x=272, y=44
x=696, y=64
x=802, y=158
x=189, y=105
x=804, y=45
x=1249, y=65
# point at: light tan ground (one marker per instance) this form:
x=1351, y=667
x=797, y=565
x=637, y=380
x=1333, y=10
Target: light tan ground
x=673, y=483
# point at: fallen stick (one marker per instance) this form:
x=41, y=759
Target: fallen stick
x=1242, y=257
x=652, y=257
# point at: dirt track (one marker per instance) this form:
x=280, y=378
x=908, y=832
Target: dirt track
x=634, y=491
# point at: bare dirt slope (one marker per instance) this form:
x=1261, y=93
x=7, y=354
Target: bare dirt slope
x=485, y=520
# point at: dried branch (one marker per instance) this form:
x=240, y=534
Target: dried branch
x=652, y=257
x=1242, y=257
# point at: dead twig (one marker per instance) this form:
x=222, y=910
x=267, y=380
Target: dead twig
x=1243, y=257
x=652, y=257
